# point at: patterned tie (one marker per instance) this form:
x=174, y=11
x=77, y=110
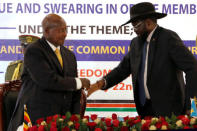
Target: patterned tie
x=59, y=57
x=141, y=76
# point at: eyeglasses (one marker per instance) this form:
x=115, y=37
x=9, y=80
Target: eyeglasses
x=137, y=25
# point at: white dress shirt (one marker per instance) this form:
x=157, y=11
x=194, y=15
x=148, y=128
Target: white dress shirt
x=145, y=69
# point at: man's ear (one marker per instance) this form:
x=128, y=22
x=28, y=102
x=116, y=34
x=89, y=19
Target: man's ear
x=46, y=32
x=148, y=24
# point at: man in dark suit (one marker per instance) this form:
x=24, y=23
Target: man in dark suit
x=50, y=83
x=156, y=61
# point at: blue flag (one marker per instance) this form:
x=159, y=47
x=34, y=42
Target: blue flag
x=193, y=108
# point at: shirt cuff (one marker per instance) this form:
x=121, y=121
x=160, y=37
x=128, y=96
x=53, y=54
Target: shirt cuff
x=78, y=83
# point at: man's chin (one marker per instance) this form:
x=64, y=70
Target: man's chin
x=61, y=43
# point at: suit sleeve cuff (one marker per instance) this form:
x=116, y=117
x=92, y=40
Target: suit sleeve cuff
x=78, y=83
x=105, y=84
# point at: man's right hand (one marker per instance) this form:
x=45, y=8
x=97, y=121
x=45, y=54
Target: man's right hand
x=85, y=83
x=96, y=86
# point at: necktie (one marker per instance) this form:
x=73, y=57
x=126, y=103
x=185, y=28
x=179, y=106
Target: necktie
x=59, y=57
x=141, y=76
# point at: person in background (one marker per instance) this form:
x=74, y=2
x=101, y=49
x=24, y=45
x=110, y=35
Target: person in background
x=15, y=68
x=14, y=72
x=50, y=84
x=156, y=61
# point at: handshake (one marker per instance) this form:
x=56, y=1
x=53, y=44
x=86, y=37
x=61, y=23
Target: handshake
x=92, y=88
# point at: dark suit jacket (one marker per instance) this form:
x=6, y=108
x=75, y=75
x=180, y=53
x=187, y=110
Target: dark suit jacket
x=167, y=58
x=47, y=89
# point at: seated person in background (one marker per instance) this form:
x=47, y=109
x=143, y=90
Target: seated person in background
x=15, y=68
x=13, y=72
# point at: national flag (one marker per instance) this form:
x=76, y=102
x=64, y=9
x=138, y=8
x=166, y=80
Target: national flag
x=193, y=107
x=27, y=122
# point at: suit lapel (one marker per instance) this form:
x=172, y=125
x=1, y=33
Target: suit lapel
x=52, y=55
x=139, y=54
x=65, y=60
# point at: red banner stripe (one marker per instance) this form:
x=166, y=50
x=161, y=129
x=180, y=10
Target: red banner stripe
x=110, y=105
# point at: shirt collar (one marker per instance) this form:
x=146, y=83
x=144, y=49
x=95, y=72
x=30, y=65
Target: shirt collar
x=52, y=46
x=151, y=34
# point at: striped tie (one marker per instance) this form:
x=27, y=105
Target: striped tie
x=59, y=57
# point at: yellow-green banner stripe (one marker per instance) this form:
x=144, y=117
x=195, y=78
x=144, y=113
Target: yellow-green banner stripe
x=112, y=109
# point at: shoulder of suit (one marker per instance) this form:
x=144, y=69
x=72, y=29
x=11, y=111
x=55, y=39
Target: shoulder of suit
x=35, y=46
x=66, y=50
x=168, y=33
x=16, y=62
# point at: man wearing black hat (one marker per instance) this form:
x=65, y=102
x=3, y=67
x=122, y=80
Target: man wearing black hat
x=156, y=61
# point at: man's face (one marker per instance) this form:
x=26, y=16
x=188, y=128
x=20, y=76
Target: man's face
x=56, y=35
x=140, y=28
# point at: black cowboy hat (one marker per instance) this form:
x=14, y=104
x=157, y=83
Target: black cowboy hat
x=143, y=10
